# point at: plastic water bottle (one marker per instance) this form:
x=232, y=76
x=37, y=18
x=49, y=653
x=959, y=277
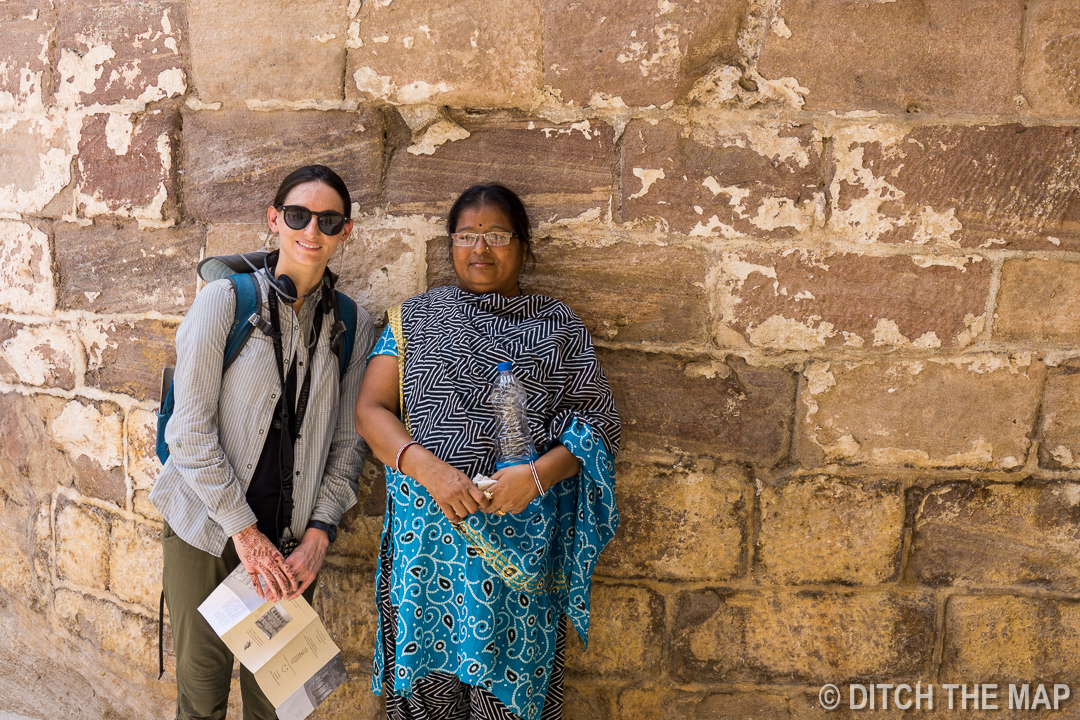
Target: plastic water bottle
x=515, y=445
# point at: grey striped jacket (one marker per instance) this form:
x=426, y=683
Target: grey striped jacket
x=218, y=428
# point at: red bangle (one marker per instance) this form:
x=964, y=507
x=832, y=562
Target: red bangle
x=400, y=452
x=536, y=478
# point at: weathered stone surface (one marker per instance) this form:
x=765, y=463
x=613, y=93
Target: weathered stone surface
x=26, y=276
x=82, y=546
x=140, y=440
x=1011, y=639
x=807, y=301
x=80, y=441
x=957, y=186
x=625, y=292
x=760, y=180
x=584, y=699
x=804, y=637
x=1038, y=302
x=658, y=703
x=26, y=60
x=679, y=525
x=345, y=600
x=119, y=268
x=1052, y=58
x=128, y=357
x=126, y=166
x=31, y=464
x=381, y=267
x=118, y=632
x=972, y=411
x=354, y=699
x=1059, y=434
x=36, y=159
x=998, y=535
x=265, y=147
x=625, y=633
x=298, y=48
x=731, y=411
x=829, y=530
x=559, y=170
x=135, y=562
x=643, y=52
x=236, y=238
x=38, y=354
x=361, y=527
x=115, y=50
x=943, y=56
x=459, y=55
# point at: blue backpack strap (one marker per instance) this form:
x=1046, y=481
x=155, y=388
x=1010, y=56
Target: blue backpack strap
x=247, y=304
x=347, y=311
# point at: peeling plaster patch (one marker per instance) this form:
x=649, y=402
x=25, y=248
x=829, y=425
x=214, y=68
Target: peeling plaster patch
x=789, y=334
x=79, y=73
x=603, y=101
x=973, y=328
x=988, y=362
x=647, y=177
x=980, y=455
x=818, y=378
x=381, y=40
x=325, y=37
x=927, y=341
x=1064, y=456
x=39, y=170
x=436, y=134
x=36, y=353
x=862, y=219
x=420, y=91
x=407, y=42
x=887, y=332
x=776, y=213
x=367, y=80
x=846, y=447
x=95, y=338
x=118, y=132
x=196, y=104
x=709, y=370
x=84, y=430
x=931, y=226
x=721, y=89
x=898, y=457
x=26, y=278
x=170, y=83
x=780, y=28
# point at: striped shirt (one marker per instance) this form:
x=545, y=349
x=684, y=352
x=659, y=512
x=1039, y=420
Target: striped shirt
x=219, y=425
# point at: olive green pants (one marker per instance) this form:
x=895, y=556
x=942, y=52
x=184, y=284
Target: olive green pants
x=203, y=662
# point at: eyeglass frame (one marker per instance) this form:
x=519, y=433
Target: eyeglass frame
x=501, y=237
x=284, y=210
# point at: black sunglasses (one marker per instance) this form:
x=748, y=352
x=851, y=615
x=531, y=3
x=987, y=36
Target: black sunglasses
x=330, y=222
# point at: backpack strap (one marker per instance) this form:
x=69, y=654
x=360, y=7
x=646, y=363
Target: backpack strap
x=248, y=301
x=347, y=314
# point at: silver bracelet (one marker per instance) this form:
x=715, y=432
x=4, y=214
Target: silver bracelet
x=536, y=478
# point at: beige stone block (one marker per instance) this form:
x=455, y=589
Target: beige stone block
x=26, y=59
x=140, y=440
x=120, y=633
x=128, y=357
x=36, y=158
x=583, y=698
x=288, y=50
x=82, y=546
x=1051, y=58
x=830, y=530
x=809, y=300
x=1038, y=301
x=640, y=52
x=140, y=504
x=676, y=524
x=761, y=180
x=345, y=600
x=666, y=703
x=135, y=563
x=942, y=56
x=27, y=284
x=973, y=411
x=812, y=637
x=458, y=54
x=1059, y=433
x=360, y=530
x=382, y=266
x=43, y=355
x=87, y=437
x=625, y=630
x=998, y=535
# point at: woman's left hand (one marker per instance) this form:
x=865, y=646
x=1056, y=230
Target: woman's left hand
x=307, y=559
x=513, y=490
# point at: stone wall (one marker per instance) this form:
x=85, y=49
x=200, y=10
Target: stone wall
x=829, y=251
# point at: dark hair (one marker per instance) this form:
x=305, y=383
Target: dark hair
x=501, y=197
x=314, y=173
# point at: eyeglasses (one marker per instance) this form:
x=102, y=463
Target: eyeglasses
x=494, y=239
x=330, y=222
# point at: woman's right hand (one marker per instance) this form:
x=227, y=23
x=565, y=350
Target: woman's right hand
x=262, y=559
x=456, y=495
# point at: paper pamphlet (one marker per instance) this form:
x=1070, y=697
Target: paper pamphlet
x=284, y=644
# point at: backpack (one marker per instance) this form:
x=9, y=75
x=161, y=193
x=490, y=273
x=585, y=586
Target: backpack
x=238, y=269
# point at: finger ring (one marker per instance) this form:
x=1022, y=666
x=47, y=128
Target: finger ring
x=500, y=512
x=488, y=495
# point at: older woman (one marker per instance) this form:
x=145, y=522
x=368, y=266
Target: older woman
x=474, y=586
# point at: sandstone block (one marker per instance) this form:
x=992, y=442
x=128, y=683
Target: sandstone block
x=924, y=187
x=299, y=48
x=140, y=504
x=1037, y=301
x=128, y=357
x=361, y=527
x=345, y=600
x=829, y=530
x=460, y=55
x=26, y=276
x=642, y=52
x=626, y=292
x=26, y=58
x=803, y=637
x=267, y=146
x=998, y=535
x=943, y=56
x=354, y=699
x=1010, y=639
x=125, y=167
x=119, y=268
x=38, y=354
x=656, y=703
x=236, y=238
x=135, y=563
x=760, y=181
x=82, y=546
x=36, y=158
x=124, y=635
x=1059, y=434
x=117, y=50
x=625, y=633
x=381, y=267
x=732, y=411
x=85, y=441
x=808, y=301
x=585, y=699
x=973, y=411
x=1051, y=58
x=140, y=440
x=679, y=525
x=559, y=170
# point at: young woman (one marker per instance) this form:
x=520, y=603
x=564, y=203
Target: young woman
x=473, y=605
x=222, y=492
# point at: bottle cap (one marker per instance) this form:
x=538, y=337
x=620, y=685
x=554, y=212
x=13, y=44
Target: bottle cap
x=504, y=366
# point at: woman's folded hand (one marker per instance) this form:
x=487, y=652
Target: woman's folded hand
x=452, y=489
x=513, y=490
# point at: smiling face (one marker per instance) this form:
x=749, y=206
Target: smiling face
x=306, y=251
x=483, y=268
